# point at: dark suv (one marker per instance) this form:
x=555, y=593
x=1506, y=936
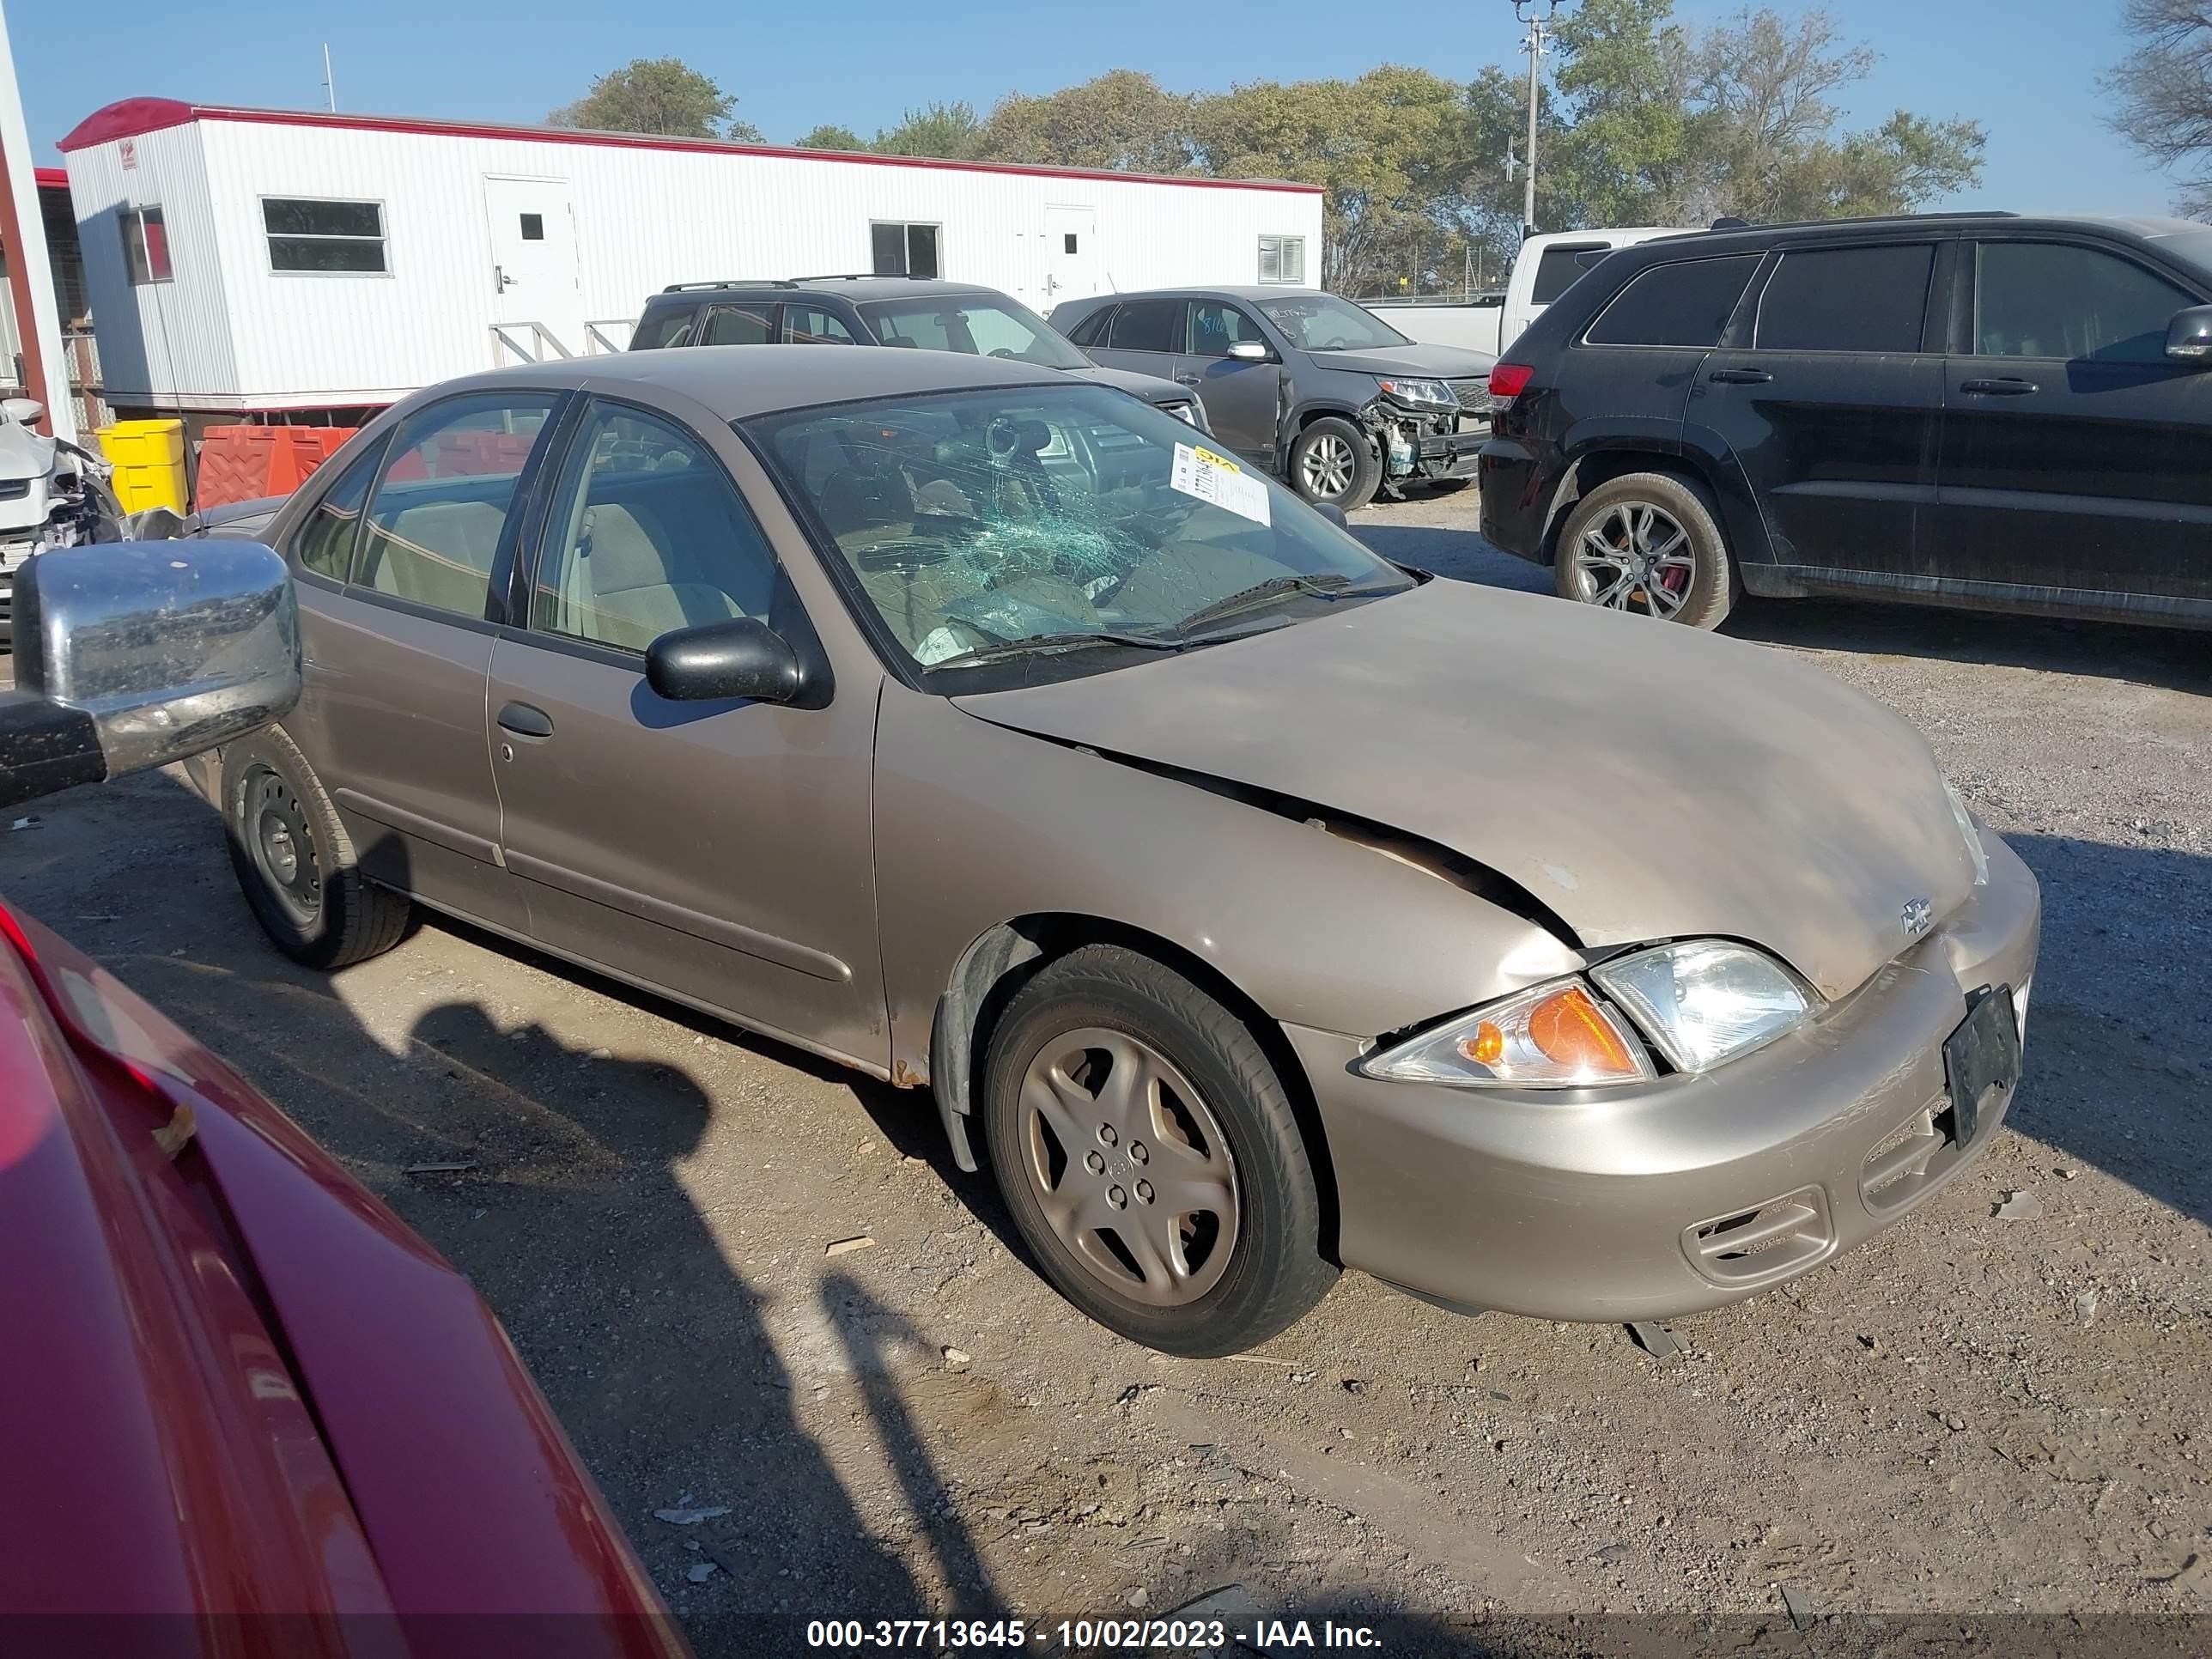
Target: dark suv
x=1976, y=409
x=921, y=312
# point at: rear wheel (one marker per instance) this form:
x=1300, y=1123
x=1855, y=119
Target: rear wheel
x=1150, y=1156
x=1332, y=463
x=294, y=862
x=1649, y=544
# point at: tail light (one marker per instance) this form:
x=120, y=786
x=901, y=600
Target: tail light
x=1509, y=380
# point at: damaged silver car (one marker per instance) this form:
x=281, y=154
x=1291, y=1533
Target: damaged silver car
x=52, y=494
x=1256, y=907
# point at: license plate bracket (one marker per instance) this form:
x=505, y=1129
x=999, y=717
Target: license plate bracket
x=1981, y=1057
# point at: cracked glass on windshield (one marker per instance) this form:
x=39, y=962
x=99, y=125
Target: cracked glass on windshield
x=986, y=521
x=1321, y=322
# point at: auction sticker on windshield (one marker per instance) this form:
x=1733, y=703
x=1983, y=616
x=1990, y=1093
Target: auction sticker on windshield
x=1217, y=479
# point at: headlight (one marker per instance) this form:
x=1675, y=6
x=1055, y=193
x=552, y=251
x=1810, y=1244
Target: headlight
x=1552, y=1037
x=1705, y=1001
x=1972, y=832
x=1419, y=394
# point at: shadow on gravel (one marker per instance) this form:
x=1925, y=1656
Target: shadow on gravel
x=2120, y=1023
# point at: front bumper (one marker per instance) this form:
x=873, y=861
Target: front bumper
x=1697, y=1191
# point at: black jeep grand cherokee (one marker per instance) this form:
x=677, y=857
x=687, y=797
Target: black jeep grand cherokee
x=1984, y=411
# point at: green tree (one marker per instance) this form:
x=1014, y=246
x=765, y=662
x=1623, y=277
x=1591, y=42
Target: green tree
x=1121, y=120
x=660, y=95
x=830, y=136
x=950, y=132
x=1392, y=149
x=2163, y=91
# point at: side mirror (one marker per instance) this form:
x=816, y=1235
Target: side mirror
x=129, y=655
x=21, y=410
x=2188, y=336
x=740, y=657
x=1334, y=514
x=1249, y=351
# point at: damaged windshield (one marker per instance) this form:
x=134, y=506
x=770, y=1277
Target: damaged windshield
x=1037, y=522
x=1321, y=322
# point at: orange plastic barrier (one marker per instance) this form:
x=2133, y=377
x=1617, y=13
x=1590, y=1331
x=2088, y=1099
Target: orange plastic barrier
x=246, y=462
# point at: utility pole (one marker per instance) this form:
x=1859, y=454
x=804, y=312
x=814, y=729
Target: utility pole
x=1540, y=30
x=330, y=81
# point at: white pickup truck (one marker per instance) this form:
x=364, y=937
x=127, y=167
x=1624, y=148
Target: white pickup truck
x=1543, y=270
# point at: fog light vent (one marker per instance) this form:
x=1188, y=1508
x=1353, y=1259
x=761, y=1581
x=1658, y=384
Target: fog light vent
x=1777, y=1238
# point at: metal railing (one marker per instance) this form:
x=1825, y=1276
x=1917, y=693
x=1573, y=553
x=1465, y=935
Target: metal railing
x=534, y=342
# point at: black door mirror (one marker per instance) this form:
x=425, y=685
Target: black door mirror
x=1334, y=514
x=740, y=657
x=2189, y=336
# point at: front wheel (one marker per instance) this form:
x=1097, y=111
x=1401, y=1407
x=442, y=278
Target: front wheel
x=1649, y=544
x=1333, y=464
x=1151, y=1158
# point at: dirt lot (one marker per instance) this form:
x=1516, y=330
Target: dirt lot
x=1976, y=1414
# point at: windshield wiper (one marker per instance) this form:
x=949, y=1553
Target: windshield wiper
x=1028, y=642
x=1329, y=585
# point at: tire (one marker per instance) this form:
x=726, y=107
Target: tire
x=1620, y=543
x=1326, y=450
x=1210, y=1116
x=280, y=820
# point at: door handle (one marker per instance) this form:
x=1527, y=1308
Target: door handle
x=525, y=721
x=1741, y=376
x=2011, y=386
x=1187, y=380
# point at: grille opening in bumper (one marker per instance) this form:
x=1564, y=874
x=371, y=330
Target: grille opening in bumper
x=1770, y=1241
x=1913, y=1156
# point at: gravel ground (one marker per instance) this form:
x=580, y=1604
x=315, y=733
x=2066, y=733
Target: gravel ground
x=1974, y=1414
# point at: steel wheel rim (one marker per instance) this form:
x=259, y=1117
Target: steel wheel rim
x=1635, y=555
x=275, y=828
x=1129, y=1166
x=1326, y=466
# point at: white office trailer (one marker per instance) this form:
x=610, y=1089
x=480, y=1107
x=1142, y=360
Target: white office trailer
x=247, y=260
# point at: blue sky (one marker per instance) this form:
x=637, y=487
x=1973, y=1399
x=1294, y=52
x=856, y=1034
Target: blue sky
x=2025, y=69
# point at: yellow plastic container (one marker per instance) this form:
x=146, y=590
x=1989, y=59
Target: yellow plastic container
x=149, y=457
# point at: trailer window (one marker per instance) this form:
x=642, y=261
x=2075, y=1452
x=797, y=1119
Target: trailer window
x=1283, y=259
x=145, y=246
x=323, y=238
x=904, y=250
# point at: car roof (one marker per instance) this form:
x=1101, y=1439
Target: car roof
x=1736, y=236
x=736, y=381
x=857, y=288
x=1251, y=292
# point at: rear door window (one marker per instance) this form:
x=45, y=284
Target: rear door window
x=1687, y=304
x=1847, y=299
x=2057, y=300
x=812, y=326
x=1557, y=267
x=1148, y=326
x=440, y=511
x=738, y=326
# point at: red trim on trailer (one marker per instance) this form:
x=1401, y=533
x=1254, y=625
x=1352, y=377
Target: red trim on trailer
x=133, y=116
x=51, y=178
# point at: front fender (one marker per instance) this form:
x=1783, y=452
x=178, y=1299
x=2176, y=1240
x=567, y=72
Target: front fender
x=977, y=825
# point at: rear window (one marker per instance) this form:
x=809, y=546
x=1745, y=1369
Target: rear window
x=672, y=327
x=1557, y=267
x=1678, y=305
x=1847, y=299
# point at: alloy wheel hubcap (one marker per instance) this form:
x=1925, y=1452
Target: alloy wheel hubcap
x=1635, y=556
x=1326, y=468
x=1129, y=1165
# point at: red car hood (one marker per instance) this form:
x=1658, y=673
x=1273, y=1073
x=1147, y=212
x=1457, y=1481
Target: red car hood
x=239, y=1385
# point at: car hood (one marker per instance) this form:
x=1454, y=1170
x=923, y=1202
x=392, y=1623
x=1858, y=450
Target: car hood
x=1641, y=780
x=24, y=452
x=1435, y=362
x=1151, y=387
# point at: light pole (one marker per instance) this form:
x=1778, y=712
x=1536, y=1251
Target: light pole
x=1539, y=29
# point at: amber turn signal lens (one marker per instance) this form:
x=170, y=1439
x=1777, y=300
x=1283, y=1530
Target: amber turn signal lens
x=1486, y=1047
x=1569, y=1029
